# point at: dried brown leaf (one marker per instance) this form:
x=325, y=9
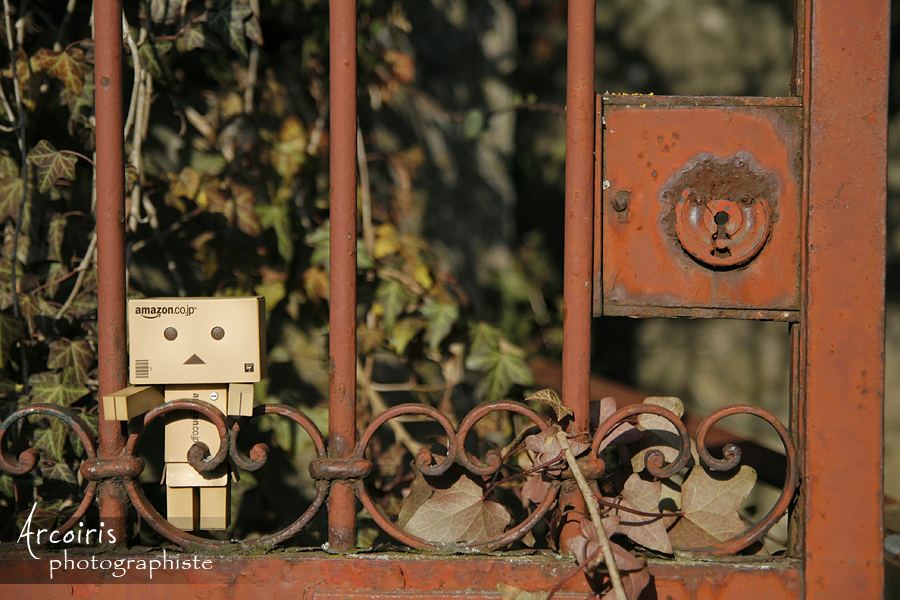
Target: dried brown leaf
x=642, y=495
x=549, y=397
x=456, y=514
x=710, y=501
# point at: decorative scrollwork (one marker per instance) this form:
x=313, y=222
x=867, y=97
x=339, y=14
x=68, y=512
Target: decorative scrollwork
x=732, y=456
x=198, y=457
x=457, y=454
x=654, y=463
x=29, y=458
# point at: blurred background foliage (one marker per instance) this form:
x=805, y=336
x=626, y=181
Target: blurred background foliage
x=461, y=124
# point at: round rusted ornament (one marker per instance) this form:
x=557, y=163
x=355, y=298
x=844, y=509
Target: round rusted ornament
x=723, y=214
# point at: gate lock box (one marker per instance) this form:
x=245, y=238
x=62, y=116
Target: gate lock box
x=698, y=207
x=202, y=349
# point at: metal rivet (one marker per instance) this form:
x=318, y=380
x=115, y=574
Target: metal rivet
x=620, y=201
x=217, y=333
x=170, y=333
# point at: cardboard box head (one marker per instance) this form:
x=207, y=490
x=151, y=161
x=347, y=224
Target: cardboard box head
x=196, y=340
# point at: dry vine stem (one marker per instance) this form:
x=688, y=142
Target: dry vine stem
x=602, y=538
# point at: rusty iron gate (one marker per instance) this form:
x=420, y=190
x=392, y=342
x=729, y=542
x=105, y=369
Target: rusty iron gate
x=701, y=207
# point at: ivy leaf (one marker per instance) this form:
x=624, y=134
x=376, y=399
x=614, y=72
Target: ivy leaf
x=457, y=514
x=227, y=19
x=503, y=366
x=69, y=66
x=51, y=164
x=51, y=441
x=11, y=331
x=659, y=433
x=11, y=189
x=643, y=495
x=289, y=153
x=549, y=397
x=76, y=354
x=394, y=299
x=244, y=200
x=55, y=236
x=62, y=388
x=441, y=318
x=624, y=433
x=277, y=217
x=58, y=470
x=547, y=451
x=404, y=331
x=8, y=165
x=165, y=11
x=192, y=38
x=710, y=501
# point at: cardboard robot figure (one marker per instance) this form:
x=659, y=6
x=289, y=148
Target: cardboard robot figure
x=209, y=349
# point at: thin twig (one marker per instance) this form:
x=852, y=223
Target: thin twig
x=379, y=406
x=594, y=511
x=365, y=193
x=138, y=75
x=82, y=271
x=533, y=469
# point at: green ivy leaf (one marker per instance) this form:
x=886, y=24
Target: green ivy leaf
x=503, y=366
x=9, y=167
x=51, y=442
x=69, y=66
x=277, y=217
x=51, y=164
x=55, y=274
x=441, y=317
x=77, y=354
x=394, y=299
x=58, y=470
x=227, y=19
x=11, y=189
x=192, y=38
x=404, y=331
x=62, y=388
x=11, y=331
x=55, y=235
x=165, y=11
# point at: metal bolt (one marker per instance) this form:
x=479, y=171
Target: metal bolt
x=620, y=201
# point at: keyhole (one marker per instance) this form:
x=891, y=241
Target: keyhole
x=721, y=220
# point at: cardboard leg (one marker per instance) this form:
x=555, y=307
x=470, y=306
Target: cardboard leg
x=215, y=507
x=183, y=507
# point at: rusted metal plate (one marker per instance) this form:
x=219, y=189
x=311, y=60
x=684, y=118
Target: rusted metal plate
x=388, y=576
x=698, y=203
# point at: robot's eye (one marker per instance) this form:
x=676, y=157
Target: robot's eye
x=217, y=333
x=170, y=333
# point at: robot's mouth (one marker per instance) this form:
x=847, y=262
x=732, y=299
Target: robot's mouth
x=194, y=360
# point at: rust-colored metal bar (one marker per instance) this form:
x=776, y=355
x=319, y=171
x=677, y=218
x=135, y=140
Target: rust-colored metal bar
x=342, y=304
x=580, y=113
x=579, y=224
x=842, y=339
x=110, y=175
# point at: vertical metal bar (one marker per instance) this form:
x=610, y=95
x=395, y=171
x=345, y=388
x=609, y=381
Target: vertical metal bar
x=342, y=304
x=845, y=96
x=110, y=174
x=580, y=111
x=579, y=219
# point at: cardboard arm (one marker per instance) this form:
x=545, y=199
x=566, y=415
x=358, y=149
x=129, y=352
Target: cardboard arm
x=240, y=399
x=131, y=402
